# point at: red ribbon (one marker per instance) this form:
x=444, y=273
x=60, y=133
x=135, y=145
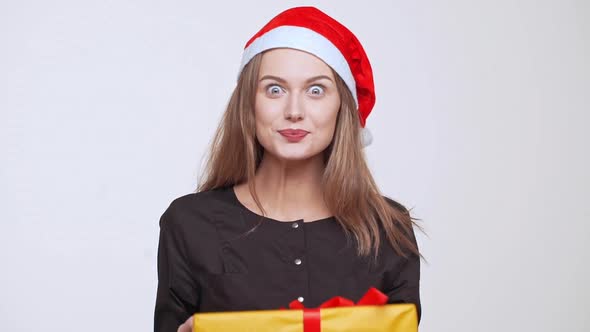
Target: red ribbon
x=312, y=318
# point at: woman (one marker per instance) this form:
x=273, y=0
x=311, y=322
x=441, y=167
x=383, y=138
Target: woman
x=288, y=208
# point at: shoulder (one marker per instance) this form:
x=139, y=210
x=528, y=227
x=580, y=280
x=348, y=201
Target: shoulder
x=405, y=219
x=192, y=208
x=396, y=205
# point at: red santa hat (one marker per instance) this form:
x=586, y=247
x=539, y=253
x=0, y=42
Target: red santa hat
x=311, y=30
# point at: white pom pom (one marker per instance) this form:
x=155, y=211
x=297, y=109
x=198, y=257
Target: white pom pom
x=366, y=137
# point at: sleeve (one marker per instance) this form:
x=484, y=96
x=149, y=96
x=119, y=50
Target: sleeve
x=405, y=286
x=177, y=297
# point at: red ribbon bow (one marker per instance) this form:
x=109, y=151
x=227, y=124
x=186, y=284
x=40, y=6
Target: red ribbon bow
x=312, y=318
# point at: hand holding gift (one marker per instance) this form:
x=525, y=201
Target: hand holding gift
x=187, y=326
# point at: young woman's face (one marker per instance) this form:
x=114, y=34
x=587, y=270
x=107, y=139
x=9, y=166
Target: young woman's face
x=296, y=105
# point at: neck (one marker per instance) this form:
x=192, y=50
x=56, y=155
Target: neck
x=290, y=190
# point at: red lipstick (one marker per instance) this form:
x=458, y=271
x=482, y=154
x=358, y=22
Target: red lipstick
x=293, y=135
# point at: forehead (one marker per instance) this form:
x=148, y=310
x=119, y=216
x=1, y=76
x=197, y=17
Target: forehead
x=292, y=64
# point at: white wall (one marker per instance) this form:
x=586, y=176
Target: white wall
x=480, y=125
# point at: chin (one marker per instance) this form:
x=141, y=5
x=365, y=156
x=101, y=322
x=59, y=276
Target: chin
x=294, y=156
x=294, y=152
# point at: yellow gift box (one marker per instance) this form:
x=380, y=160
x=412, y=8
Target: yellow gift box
x=369, y=314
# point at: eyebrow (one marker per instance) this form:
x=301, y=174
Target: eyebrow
x=282, y=80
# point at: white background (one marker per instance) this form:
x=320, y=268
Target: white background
x=480, y=125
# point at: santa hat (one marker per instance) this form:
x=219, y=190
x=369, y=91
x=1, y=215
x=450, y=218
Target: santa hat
x=311, y=30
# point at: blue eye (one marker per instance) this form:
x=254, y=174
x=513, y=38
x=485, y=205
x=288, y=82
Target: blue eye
x=317, y=90
x=273, y=89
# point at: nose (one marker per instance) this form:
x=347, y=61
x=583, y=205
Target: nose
x=294, y=110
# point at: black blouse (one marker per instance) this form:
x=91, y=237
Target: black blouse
x=214, y=254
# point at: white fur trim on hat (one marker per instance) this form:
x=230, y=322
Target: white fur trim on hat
x=305, y=40
x=366, y=137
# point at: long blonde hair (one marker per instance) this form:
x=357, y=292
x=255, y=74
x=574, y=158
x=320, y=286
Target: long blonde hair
x=350, y=191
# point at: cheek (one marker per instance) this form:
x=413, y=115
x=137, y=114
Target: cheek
x=328, y=129
x=264, y=115
x=326, y=120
